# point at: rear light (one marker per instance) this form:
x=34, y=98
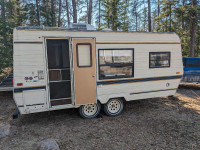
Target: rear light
x=19, y=84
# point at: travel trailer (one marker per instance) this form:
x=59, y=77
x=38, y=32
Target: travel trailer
x=56, y=68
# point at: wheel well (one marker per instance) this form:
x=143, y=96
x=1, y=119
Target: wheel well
x=124, y=100
x=99, y=101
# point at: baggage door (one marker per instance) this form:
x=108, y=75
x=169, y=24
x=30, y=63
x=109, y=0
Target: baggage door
x=84, y=71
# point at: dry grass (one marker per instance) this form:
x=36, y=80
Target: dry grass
x=159, y=123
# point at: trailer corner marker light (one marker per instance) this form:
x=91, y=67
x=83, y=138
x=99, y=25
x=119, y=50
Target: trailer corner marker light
x=19, y=84
x=177, y=72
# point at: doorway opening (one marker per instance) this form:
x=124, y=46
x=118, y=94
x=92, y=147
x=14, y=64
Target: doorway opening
x=59, y=71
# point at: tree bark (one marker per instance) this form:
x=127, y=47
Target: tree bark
x=90, y=12
x=53, y=22
x=136, y=19
x=170, y=17
x=193, y=29
x=182, y=20
x=74, y=11
x=158, y=8
x=38, y=12
x=59, y=14
x=11, y=11
x=19, y=21
x=67, y=7
x=99, y=12
x=149, y=15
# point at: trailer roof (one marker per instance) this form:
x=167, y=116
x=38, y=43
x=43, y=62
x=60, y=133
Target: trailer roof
x=43, y=28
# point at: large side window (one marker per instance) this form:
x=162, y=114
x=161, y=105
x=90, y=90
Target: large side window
x=115, y=63
x=159, y=59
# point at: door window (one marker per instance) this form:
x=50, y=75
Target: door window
x=84, y=55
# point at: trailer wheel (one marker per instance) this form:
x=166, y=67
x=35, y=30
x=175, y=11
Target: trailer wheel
x=90, y=110
x=113, y=107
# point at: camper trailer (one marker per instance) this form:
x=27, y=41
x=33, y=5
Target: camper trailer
x=56, y=68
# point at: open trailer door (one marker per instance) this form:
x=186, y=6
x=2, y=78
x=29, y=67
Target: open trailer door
x=84, y=70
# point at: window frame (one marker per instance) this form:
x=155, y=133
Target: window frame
x=124, y=64
x=168, y=52
x=77, y=56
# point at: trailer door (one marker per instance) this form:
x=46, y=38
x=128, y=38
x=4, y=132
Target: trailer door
x=84, y=70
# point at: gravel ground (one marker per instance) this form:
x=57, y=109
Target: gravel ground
x=159, y=123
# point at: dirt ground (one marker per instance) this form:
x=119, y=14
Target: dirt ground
x=159, y=123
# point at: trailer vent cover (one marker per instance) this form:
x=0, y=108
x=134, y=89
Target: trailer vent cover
x=81, y=26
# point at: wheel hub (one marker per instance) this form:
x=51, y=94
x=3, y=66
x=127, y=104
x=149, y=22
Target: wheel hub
x=90, y=109
x=114, y=106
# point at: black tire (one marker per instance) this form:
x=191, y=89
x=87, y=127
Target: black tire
x=115, y=109
x=85, y=114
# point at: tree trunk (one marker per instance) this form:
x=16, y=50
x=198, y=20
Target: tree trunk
x=38, y=12
x=53, y=22
x=170, y=17
x=158, y=8
x=193, y=29
x=67, y=6
x=46, y=13
x=19, y=21
x=74, y=11
x=136, y=19
x=182, y=20
x=3, y=16
x=90, y=12
x=99, y=12
x=11, y=11
x=59, y=14
x=149, y=15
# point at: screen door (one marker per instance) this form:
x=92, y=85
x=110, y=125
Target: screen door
x=59, y=71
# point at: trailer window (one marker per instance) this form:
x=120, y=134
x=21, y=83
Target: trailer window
x=115, y=63
x=159, y=59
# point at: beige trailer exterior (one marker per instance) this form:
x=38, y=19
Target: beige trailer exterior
x=102, y=68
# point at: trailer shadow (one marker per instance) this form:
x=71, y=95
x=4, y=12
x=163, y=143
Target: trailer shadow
x=157, y=123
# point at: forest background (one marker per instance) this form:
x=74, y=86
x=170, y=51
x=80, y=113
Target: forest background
x=179, y=16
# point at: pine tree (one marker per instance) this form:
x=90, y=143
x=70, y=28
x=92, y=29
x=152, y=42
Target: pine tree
x=124, y=15
x=115, y=14
x=193, y=27
x=136, y=14
x=46, y=13
x=7, y=23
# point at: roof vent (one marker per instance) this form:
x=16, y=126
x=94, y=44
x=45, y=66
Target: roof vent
x=81, y=26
